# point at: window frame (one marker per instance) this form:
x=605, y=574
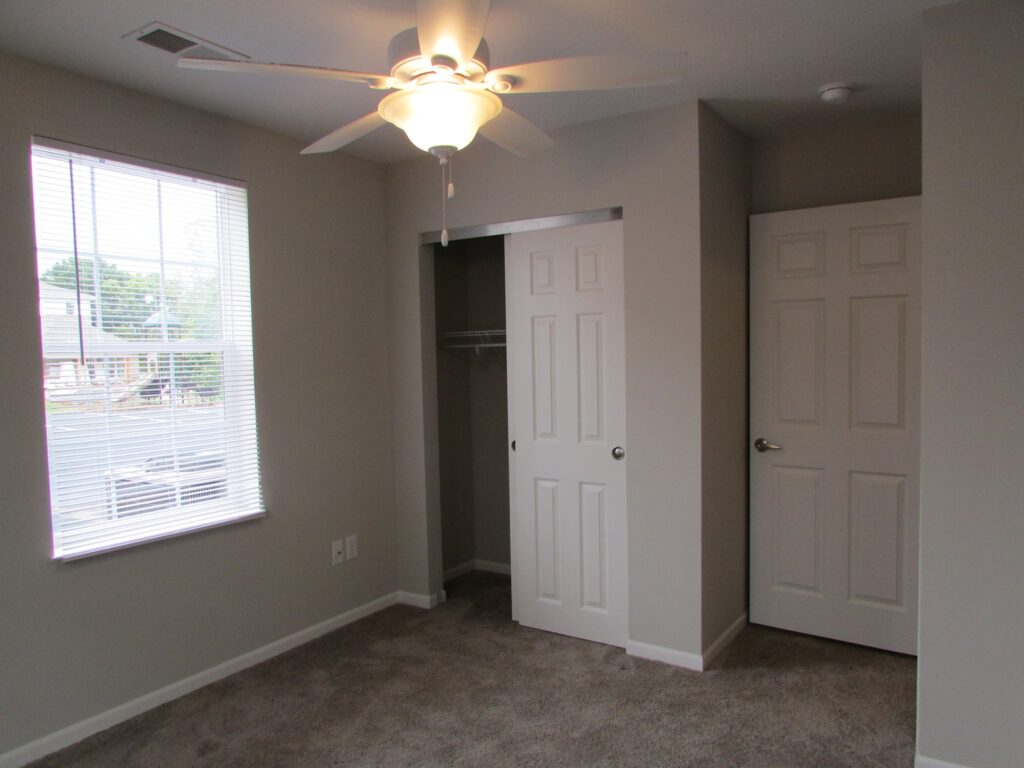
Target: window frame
x=236, y=409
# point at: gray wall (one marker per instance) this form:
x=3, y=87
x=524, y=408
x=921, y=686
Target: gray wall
x=647, y=163
x=79, y=638
x=857, y=157
x=725, y=209
x=971, y=662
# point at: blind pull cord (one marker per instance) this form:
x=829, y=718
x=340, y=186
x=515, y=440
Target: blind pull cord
x=78, y=274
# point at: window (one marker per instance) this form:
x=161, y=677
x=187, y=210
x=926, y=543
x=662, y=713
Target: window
x=148, y=379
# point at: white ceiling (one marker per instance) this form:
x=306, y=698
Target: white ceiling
x=758, y=62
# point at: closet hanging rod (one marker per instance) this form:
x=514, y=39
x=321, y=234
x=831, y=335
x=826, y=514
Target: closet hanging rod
x=473, y=339
x=497, y=333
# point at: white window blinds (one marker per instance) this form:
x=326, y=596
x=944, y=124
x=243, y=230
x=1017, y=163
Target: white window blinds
x=145, y=315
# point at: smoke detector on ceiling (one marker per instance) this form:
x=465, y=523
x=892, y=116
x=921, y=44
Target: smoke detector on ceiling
x=836, y=93
x=184, y=44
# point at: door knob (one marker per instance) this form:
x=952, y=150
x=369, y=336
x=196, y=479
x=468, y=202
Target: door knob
x=618, y=453
x=513, y=445
x=761, y=445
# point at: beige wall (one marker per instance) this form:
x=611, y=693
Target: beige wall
x=647, y=163
x=725, y=208
x=79, y=638
x=856, y=158
x=971, y=662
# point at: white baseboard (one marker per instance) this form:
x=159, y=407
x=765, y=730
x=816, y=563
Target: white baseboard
x=665, y=655
x=724, y=639
x=65, y=737
x=415, y=600
x=697, y=662
x=458, y=570
x=492, y=567
x=477, y=565
x=930, y=762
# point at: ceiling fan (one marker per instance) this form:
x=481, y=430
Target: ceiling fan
x=444, y=92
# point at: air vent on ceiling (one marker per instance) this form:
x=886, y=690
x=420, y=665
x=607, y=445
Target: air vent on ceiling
x=167, y=38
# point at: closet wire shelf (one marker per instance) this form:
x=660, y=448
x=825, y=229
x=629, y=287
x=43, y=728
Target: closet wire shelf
x=474, y=340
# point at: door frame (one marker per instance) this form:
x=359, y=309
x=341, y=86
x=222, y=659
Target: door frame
x=428, y=338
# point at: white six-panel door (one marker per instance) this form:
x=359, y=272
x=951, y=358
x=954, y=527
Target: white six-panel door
x=834, y=358
x=566, y=347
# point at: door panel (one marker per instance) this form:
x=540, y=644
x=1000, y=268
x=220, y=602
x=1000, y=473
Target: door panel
x=546, y=527
x=566, y=346
x=797, y=509
x=545, y=372
x=800, y=372
x=877, y=361
x=835, y=363
x=593, y=549
x=876, y=538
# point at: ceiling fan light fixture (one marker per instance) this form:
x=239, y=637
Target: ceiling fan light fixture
x=445, y=91
x=440, y=114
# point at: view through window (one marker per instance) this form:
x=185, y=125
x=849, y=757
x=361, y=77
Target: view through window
x=144, y=309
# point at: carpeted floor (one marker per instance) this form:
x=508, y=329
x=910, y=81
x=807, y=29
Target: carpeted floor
x=462, y=685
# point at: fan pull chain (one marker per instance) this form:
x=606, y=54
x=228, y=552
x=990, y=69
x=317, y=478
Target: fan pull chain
x=444, y=209
x=451, y=179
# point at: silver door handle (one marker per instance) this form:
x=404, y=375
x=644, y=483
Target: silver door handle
x=761, y=445
x=618, y=453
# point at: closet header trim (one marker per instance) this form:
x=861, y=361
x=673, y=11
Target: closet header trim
x=525, y=225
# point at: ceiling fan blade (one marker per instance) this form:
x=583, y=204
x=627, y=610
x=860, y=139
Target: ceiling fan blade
x=346, y=134
x=226, y=65
x=451, y=28
x=594, y=73
x=513, y=132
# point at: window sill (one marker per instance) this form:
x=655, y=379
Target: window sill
x=68, y=554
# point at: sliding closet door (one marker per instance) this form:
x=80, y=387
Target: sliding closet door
x=566, y=369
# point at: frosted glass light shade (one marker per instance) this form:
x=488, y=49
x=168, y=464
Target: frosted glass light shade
x=440, y=114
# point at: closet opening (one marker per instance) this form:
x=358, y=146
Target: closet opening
x=472, y=407
x=529, y=348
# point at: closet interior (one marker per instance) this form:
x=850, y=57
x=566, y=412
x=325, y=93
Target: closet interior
x=472, y=405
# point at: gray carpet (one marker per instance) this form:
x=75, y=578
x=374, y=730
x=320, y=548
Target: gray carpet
x=462, y=685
